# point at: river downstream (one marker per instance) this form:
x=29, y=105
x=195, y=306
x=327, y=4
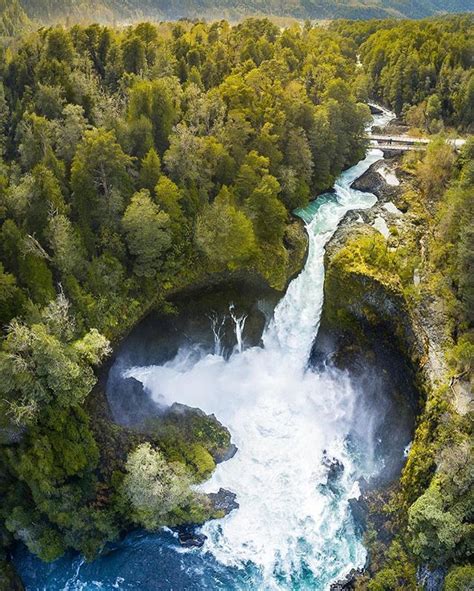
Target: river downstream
x=301, y=449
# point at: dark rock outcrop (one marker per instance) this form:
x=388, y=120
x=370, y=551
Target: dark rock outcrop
x=335, y=467
x=373, y=182
x=129, y=402
x=189, y=537
x=223, y=501
x=348, y=583
x=359, y=510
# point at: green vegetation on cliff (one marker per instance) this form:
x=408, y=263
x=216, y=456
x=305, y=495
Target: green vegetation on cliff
x=370, y=285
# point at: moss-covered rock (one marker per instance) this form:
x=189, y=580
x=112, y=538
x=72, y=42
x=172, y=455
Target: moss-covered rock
x=191, y=437
x=363, y=290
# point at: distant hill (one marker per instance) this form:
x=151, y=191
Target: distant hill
x=129, y=10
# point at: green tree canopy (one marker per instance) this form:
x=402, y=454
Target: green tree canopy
x=147, y=233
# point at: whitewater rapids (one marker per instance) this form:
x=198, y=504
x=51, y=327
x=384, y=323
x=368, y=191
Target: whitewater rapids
x=294, y=528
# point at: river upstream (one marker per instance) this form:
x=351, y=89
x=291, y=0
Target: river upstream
x=290, y=422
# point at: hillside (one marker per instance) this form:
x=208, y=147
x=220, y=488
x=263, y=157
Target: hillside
x=107, y=10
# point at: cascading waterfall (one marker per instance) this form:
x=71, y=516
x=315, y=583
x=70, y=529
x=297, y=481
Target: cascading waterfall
x=298, y=462
x=293, y=529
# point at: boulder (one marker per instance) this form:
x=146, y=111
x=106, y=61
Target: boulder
x=189, y=537
x=223, y=501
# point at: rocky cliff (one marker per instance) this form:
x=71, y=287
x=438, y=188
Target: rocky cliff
x=379, y=292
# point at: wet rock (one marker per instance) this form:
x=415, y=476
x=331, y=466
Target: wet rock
x=335, y=467
x=372, y=181
x=363, y=485
x=223, y=501
x=225, y=454
x=388, y=153
x=431, y=580
x=375, y=110
x=349, y=581
x=359, y=510
x=129, y=402
x=190, y=538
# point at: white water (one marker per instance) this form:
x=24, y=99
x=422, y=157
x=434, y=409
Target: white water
x=291, y=528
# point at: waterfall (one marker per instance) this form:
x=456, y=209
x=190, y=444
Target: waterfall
x=294, y=528
x=239, y=325
x=217, y=327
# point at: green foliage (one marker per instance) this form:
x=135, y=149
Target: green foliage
x=42, y=363
x=266, y=211
x=12, y=299
x=461, y=356
x=435, y=170
x=168, y=196
x=192, y=438
x=225, y=234
x=159, y=492
x=66, y=245
x=460, y=578
x=44, y=197
x=35, y=275
x=146, y=230
x=99, y=180
x=439, y=520
x=150, y=170
x=399, y=573
x=421, y=70
x=156, y=101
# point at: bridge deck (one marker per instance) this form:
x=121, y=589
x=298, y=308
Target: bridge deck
x=402, y=139
x=394, y=140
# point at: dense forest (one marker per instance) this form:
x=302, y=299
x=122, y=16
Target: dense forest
x=135, y=161
x=138, y=160
x=13, y=19
x=423, y=71
x=109, y=10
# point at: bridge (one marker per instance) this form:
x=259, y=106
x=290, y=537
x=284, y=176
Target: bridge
x=405, y=143
x=401, y=143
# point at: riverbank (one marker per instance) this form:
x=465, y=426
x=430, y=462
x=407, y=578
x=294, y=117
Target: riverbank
x=380, y=283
